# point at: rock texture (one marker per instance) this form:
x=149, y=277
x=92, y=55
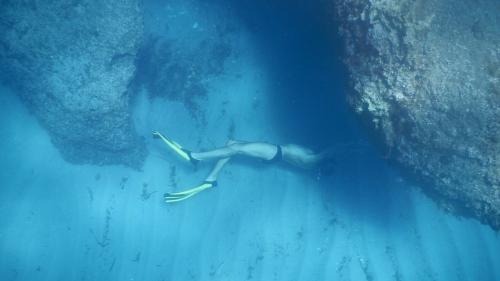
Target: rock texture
x=185, y=52
x=426, y=77
x=170, y=71
x=72, y=62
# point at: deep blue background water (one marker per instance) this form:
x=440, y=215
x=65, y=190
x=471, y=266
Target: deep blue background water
x=298, y=44
x=284, y=82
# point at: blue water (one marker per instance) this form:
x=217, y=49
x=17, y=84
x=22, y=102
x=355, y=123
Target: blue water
x=283, y=83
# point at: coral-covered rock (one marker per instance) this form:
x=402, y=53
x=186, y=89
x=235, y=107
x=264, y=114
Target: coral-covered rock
x=72, y=62
x=426, y=78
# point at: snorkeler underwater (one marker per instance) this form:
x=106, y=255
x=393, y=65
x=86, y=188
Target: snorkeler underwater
x=250, y=140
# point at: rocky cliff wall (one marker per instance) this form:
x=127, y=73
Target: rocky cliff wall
x=426, y=77
x=71, y=62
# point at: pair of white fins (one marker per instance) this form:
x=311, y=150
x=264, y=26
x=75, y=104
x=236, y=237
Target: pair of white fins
x=186, y=155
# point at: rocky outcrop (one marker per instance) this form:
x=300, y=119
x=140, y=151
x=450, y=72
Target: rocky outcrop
x=180, y=59
x=426, y=77
x=182, y=74
x=72, y=62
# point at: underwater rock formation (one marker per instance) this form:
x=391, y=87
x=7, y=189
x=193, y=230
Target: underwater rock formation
x=426, y=77
x=180, y=59
x=72, y=62
x=179, y=73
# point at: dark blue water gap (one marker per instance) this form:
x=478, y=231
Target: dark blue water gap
x=299, y=45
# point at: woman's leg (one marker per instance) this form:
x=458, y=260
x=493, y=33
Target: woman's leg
x=217, y=168
x=220, y=164
x=219, y=153
x=259, y=150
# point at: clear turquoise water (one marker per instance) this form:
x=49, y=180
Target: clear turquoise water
x=283, y=83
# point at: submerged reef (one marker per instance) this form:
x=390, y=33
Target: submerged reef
x=72, y=62
x=425, y=77
x=178, y=73
x=180, y=59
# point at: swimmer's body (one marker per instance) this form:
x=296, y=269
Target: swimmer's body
x=293, y=154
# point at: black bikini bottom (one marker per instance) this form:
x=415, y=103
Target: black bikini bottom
x=278, y=156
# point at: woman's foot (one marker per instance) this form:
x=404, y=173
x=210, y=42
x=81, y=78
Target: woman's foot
x=213, y=182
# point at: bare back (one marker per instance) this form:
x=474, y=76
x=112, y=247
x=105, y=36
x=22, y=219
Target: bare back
x=299, y=156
